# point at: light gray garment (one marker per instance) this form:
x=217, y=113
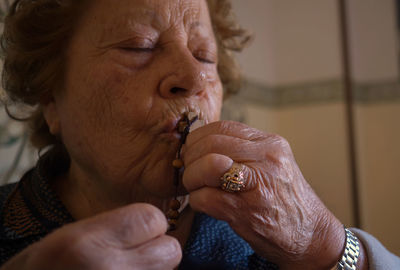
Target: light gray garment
x=379, y=258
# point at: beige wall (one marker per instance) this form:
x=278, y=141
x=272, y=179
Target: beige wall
x=373, y=40
x=295, y=41
x=378, y=133
x=374, y=54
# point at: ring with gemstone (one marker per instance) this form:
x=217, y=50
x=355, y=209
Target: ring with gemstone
x=233, y=179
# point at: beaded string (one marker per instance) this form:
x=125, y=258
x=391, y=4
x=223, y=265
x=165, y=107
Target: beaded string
x=174, y=205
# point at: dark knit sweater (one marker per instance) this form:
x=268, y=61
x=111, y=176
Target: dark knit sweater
x=30, y=210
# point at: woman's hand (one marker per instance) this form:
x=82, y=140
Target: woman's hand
x=277, y=213
x=132, y=237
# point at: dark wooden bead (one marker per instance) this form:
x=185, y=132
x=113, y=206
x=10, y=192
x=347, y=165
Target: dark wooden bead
x=173, y=224
x=174, y=204
x=173, y=214
x=177, y=163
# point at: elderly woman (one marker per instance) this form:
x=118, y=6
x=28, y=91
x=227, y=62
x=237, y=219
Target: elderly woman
x=117, y=86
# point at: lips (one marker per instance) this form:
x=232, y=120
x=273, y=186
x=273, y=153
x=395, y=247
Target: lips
x=171, y=126
x=169, y=131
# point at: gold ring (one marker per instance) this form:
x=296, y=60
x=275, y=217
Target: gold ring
x=233, y=180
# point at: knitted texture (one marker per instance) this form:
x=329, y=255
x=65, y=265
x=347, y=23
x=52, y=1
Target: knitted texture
x=214, y=245
x=30, y=210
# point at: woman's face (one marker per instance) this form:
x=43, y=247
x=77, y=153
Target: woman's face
x=134, y=67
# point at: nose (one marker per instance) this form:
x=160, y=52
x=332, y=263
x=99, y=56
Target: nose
x=187, y=77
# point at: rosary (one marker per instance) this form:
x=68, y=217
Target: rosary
x=184, y=128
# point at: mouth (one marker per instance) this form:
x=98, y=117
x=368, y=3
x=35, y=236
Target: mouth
x=171, y=128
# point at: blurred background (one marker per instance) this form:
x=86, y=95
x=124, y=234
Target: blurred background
x=324, y=75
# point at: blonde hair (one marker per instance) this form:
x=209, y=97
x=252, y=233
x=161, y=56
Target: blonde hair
x=35, y=38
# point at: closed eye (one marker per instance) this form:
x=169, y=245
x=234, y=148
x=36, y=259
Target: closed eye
x=137, y=49
x=205, y=57
x=207, y=61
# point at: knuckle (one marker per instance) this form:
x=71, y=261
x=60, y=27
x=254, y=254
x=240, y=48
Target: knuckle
x=224, y=125
x=278, y=149
x=215, y=161
x=174, y=247
x=149, y=216
x=128, y=225
x=162, y=253
x=228, y=125
x=172, y=252
x=279, y=140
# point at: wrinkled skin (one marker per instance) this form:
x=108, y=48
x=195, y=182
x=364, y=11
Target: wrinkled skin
x=134, y=67
x=277, y=213
x=132, y=237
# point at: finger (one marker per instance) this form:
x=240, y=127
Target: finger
x=237, y=149
x=228, y=128
x=216, y=203
x=163, y=252
x=129, y=226
x=206, y=171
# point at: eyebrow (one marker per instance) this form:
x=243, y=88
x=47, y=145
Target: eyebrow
x=143, y=18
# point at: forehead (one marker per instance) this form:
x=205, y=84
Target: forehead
x=112, y=15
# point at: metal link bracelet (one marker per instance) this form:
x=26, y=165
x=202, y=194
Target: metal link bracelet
x=351, y=253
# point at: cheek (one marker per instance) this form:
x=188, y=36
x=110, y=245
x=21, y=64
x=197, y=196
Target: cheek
x=214, y=101
x=102, y=115
x=122, y=98
x=128, y=98
x=102, y=105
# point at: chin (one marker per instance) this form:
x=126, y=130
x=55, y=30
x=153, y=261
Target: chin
x=157, y=178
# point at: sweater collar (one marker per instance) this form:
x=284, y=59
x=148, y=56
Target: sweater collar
x=33, y=208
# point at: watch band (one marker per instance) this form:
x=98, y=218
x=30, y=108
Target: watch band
x=351, y=252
